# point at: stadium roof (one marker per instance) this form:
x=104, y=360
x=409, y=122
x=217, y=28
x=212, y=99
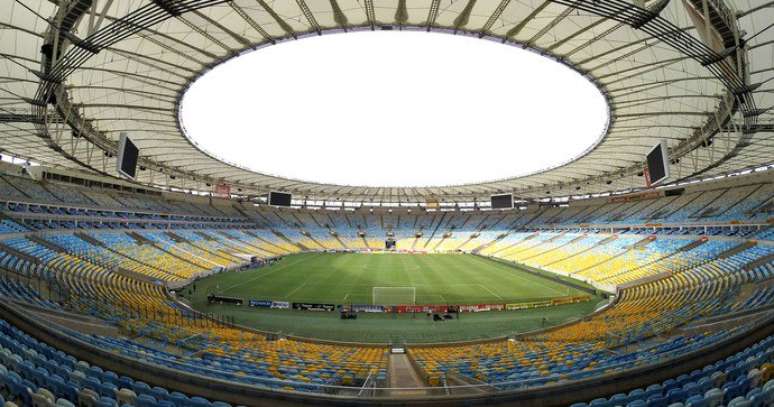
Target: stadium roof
x=73, y=76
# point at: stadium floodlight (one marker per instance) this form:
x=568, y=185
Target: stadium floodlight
x=393, y=295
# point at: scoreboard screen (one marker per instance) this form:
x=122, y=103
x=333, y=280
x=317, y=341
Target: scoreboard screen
x=128, y=154
x=658, y=164
x=502, y=201
x=279, y=199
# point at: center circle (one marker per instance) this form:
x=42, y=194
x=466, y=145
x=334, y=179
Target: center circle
x=394, y=108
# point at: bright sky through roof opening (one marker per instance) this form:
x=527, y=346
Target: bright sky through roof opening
x=394, y=109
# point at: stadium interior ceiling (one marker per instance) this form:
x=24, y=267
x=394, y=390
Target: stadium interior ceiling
x=77, y=73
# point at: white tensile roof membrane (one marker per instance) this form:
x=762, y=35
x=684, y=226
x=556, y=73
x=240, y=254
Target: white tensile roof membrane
x=125, y=65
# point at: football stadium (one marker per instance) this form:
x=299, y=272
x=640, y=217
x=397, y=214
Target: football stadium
x=387, y=202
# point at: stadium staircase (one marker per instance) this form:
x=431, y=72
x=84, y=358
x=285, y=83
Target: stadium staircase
x=527, y=247
x=363, y=238
x=44, y=290
x=274, y=248
x=489, y=243
x=730, y=207
x=736, y=249
x=664, y=214
x=515, y=224
x=225, y=243
x=416, y=239
x=349, y=221
x=556, y=247
x=759, y=262
x=766, y=207
x=404, y=375
x=555, y=237
x=639, y=281
x=261, y=219
x=471, y=237
x=571, y=218
x=606, y=260
x=204, y=236
x=708, y=208
x=692, y=245
x=19, y=254
x=244, y=247
x=176, y=238
x=321, y=226
x=600, y=243
x=437, y=225
x=596, y=212
x=241, y=211
x=13, y=186
x=118, y=270
x=444, y=236
x=482, y=224
x=338, y=239
x=312, y=238
x=732, y=319
x=285, y=238
x=297, y=222
x=224, y=256
x=98, y=243
x=644, y=242
x=480, y=387
x=175, y=255
x=655, y=277
x=464, y=222
x=81, y=323
x=512, y=245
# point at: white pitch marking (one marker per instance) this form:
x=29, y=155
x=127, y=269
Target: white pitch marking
x=490, y=291
x=296, y=289
x=250, y=280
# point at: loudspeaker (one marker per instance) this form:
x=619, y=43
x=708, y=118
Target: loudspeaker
x=674, y=192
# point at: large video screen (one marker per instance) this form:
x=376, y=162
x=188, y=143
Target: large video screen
x=128, y=154
x=279, y=199
x=658, y=164
x=502, y=201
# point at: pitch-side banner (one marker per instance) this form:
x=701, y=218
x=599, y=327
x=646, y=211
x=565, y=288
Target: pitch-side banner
x=260, y=303
x=313, y=307
x=367, y=308
x=482, y=307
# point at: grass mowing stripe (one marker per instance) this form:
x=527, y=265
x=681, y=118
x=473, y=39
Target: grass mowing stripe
x=524, y=276
x=492, y=292
x=290, y=294
x=242, y=283
x=349, y=278
x=333, y=278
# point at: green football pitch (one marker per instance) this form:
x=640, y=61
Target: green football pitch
x=343, y=278
x=387, y=279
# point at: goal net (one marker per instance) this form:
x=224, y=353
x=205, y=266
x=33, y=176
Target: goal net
x=394, y=295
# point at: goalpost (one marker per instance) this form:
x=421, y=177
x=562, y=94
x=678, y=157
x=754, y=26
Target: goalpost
x=393, y=295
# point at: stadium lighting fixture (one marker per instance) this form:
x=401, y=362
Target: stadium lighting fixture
x=393, y=108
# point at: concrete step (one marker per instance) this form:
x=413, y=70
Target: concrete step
x=403, y=375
